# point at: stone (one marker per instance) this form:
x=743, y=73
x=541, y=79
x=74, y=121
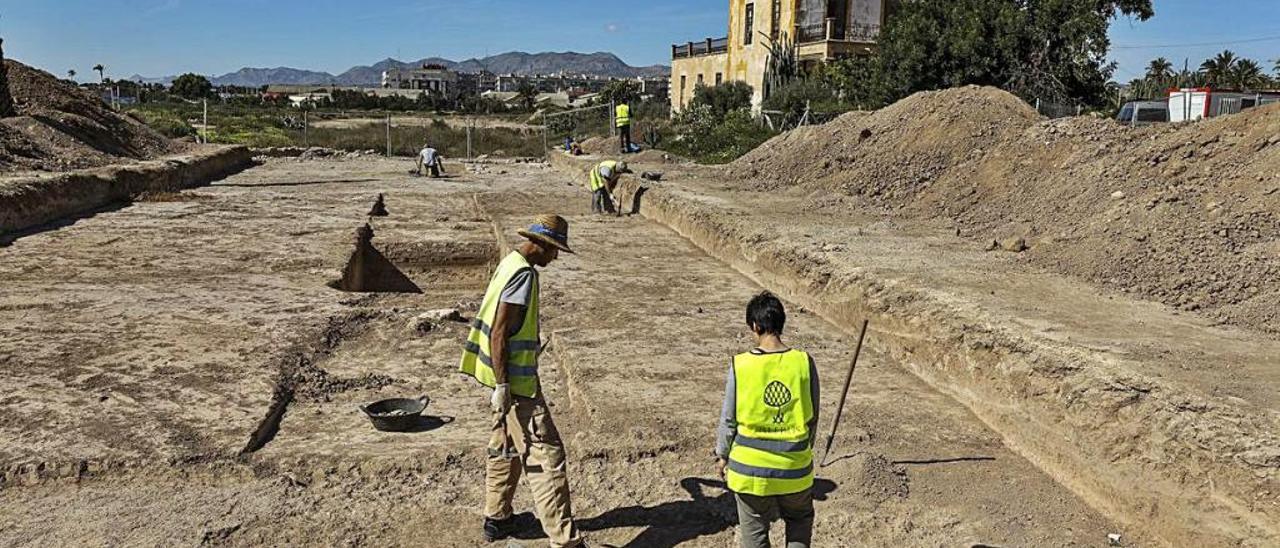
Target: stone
x=1016, y=245
x=1118, y=195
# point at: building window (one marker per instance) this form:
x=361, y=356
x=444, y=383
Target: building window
x=775, y=25
x=750, y=23
x=719, y=78
x=682, y=87
x=699, y=79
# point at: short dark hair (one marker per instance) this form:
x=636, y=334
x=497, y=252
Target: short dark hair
x=766, y=315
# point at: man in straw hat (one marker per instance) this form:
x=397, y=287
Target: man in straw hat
x=502, y=353
x=604, y=178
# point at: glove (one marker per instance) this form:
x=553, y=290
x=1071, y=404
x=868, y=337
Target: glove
x=501, y=400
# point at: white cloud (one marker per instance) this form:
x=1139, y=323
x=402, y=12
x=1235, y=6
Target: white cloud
x=611, y=27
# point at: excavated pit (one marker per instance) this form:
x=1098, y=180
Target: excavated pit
x=415, y=267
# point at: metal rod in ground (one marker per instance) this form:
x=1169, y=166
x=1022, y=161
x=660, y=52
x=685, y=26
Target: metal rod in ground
x=388, y=135
x=848, y=380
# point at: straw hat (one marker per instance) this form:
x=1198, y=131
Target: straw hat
x=552, y=230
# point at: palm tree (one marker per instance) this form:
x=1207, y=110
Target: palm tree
x=101, y=71
x=71, y=74
x=1277, y=67
x=1217, y=70
x=1247, y=74
x=1159, y=70
x=528, y=94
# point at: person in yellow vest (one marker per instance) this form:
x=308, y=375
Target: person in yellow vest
x=604, y=178
x=501, y=353
x=622, y=118
x=767, y=428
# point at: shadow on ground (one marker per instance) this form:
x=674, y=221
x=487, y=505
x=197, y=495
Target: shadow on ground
x=673, y=523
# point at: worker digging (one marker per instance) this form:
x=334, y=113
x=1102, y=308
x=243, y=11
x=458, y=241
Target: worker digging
x=604, y=179
x=430, y=162
x=501, y=353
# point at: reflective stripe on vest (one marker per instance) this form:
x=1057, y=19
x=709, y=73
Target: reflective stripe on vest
x=623, y=115
x=772, y=453
x=522, y=348
x=598, y=180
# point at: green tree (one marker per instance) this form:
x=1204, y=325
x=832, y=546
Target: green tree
x=1160, y=69
x=71, y=74
x=620, y=91
x=724, y=98
x=1247, y=74
x=1276, y=68
x=1217, y=71
x=102, y=72
x=528, y=94
x=1053, y=49
x=192, y=86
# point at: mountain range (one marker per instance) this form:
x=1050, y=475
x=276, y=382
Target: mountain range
x=516, y=62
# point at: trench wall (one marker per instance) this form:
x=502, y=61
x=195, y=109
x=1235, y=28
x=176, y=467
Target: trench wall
x=28, y=203
x=1170, y=463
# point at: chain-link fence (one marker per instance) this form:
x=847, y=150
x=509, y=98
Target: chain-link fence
x=1058, y=110
x=565, y=129
x=389, y=133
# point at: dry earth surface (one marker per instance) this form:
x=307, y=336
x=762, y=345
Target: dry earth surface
x=179, y=371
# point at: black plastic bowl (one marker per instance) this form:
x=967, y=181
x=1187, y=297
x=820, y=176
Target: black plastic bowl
x=396, y=414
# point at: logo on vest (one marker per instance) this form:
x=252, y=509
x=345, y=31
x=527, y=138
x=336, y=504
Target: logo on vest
x=777, y=395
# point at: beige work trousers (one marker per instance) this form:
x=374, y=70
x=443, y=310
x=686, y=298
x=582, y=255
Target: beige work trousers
x=529, y=430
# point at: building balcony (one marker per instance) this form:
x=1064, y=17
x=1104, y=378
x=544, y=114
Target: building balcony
x=836, y=30
x=710, y=46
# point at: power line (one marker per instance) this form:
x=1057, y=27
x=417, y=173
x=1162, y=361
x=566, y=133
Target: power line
x=1201, y=44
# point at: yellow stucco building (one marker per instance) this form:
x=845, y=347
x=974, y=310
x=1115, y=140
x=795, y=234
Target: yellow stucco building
x=822, y=30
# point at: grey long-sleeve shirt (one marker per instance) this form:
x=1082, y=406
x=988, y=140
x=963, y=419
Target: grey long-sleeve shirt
x=728, y=429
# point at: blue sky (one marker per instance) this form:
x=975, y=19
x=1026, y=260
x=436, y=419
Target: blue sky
x=164, y=37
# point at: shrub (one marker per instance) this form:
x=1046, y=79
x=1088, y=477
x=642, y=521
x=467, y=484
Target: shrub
x=711, y=139
x=722, y=99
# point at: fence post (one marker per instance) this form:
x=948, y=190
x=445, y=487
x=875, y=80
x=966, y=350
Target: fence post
x=388, y=135
x=205, y=129
x=613, y=124
x=469, y=125
x=306, y=139
x=545, y=152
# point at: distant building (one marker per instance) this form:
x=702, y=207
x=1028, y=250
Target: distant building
x=823, y=30
x=434, y=79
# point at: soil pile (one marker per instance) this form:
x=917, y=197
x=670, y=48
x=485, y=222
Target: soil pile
x=1185, y=214
x=608, y=147
x=60, y=126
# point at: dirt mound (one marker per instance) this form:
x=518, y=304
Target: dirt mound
x=608, y=147
x=60, y=126
x=1185, y=214
x=892, y=151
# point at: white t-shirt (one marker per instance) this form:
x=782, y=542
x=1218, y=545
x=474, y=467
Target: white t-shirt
x=429, y=156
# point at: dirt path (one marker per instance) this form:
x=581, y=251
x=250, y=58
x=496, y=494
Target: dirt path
x=200, y=311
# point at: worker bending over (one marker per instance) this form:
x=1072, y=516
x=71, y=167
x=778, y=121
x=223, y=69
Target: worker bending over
x=767, y=428
x=502, y=353
x=604, y=179
x=430, y=159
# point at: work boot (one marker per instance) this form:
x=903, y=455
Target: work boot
x=495, y=530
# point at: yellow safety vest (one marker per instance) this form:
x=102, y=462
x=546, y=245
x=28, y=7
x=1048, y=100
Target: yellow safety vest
x=522, y=348
x=772, y=453
x=598, y=180
x=623, y=115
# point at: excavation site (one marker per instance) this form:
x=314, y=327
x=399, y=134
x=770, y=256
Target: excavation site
x=1072, y=330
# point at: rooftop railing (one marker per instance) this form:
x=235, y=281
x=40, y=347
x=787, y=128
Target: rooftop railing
x=710, y=46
